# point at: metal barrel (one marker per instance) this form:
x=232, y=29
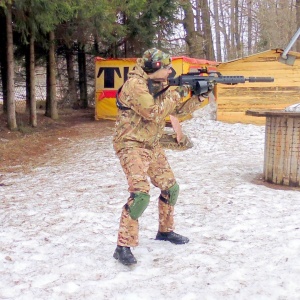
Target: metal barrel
x=228, y=79
x=260, y=79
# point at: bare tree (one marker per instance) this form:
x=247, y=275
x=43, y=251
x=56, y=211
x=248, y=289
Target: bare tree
x=33, y=114
x=51, y=103
x=277, y=23
x=217, y=29
x=237, y=17
x=193, y=38
x=82, y=75
x=207, y=33
x=3, y=58
x=250, y=24
x=298, y=23
x=244, y=27
x=71, y=78
x=225, y=27
x=11, y=106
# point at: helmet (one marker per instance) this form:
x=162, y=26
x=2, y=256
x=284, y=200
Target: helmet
x=155, y=59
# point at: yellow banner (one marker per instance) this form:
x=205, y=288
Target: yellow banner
x=110, y=74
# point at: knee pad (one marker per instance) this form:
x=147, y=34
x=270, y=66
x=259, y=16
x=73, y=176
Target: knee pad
x=139, y=204
x=172, y=193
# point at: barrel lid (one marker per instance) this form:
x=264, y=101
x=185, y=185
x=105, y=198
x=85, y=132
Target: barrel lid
x=272, y=112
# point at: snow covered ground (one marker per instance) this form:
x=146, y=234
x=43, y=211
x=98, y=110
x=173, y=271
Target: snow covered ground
x=59, y=226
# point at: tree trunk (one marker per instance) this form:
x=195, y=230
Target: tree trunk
x=27, y=72
x=82, y=76
x=3, y=63
x=208, y=40
x=52, y=79
x=217, y=30
x=71, y=79
x=298, y=23
x=226, y=35
x=237, y=29
x=3, y=58
x=249, y=17
x=195, y=46
x=33, y=115
x=11, y=105
x=48, y=99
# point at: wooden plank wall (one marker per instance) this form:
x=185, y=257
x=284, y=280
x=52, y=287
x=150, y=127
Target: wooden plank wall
x=282, y=150
x=284, y=91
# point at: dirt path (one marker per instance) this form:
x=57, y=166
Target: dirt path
x=21, y=151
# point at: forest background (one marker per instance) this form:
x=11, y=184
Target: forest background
x=61, y=38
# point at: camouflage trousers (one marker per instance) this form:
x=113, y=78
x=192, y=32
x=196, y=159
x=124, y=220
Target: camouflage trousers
x=139, y=164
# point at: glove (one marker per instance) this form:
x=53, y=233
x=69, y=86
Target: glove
x=183, y=90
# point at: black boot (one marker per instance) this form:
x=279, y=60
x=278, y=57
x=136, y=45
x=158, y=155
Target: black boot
x=124, y=256
x=172, y=237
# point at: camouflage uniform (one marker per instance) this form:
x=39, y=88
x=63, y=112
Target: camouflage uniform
x=136, y=142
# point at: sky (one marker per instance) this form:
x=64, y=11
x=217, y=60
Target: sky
x=59, y=224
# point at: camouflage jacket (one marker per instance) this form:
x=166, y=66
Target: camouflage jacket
x=143, y=124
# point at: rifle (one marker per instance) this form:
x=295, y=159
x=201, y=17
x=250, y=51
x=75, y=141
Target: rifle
x=203, y=84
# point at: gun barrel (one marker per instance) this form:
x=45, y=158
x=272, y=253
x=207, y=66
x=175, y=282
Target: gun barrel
x=260, y=79
x=228, y=79
x=202, y=84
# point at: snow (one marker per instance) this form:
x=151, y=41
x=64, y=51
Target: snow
x=59, y=225
x=293, y=108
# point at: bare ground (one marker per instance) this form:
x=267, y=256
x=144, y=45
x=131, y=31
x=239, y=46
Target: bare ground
x=30, y=146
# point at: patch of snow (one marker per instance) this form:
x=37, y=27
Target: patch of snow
x=59, y=225
x=293, y=108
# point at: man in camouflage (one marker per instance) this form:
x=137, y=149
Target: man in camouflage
x=139, y=127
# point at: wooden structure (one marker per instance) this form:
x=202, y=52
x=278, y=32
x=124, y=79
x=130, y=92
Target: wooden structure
x=111, y=73
x=279, y=94
x=282, y=146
